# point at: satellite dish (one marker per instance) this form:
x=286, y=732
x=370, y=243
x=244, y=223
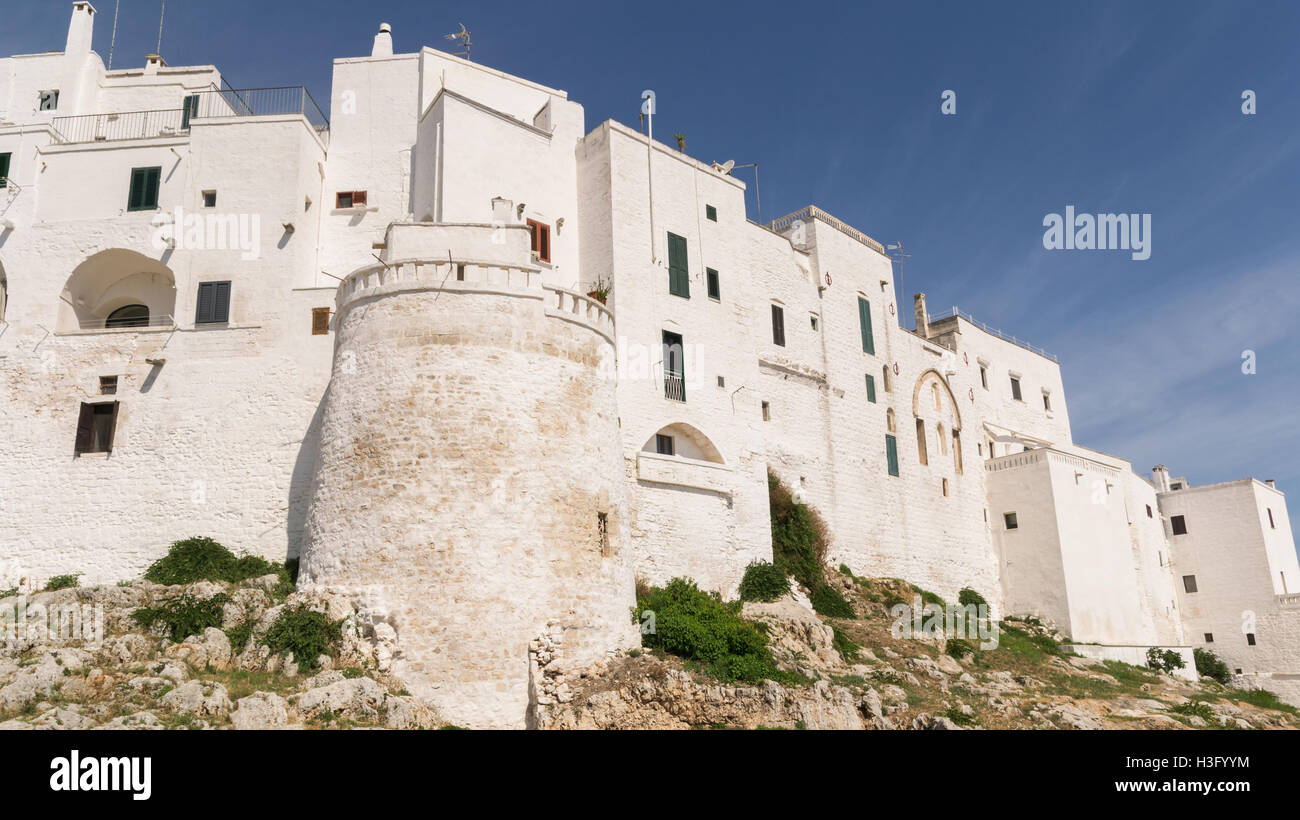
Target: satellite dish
x=725, y=168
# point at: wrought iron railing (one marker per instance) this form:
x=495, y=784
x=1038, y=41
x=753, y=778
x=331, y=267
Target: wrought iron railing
x=104, y=324
x=993, y=331
x=228, y=102
x=675, y=386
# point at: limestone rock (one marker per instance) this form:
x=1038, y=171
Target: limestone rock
x=260, y=710
x=197, y=698
x=356, y=698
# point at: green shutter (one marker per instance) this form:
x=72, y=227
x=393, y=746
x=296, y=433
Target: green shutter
x=715, y=289
x=891, y=453
x=864, y=318
x=711, y=213
x=871, y=388
x=213, y=303
x=144, y=189
x=679, y=283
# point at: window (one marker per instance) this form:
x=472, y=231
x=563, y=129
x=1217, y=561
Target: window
x=1250, y=638
x=128, y=316
x=349, y=199
x=940, y=437
x=938, y=402
x=664, y=445
x=1010, y=520
x=886, y=382
x=4, y=169
x=956, y=451
x=1209, y=637
x=49, y=100
x=890, y=421
x=920, y=442
x=95, y=427
x=871, y=388
x=711, y=279
x=1176, y=487
x=1189, y=583
x=144, y=189
x=1179, y=525
x=460, y=271
x=778, y=326
x=945, y=488
x=108, y=385
x=1015, y=388
x=1270, y=519
x=1149, y=511
x=214, y=303
x=320, y=321
x=602, y=532
x=209, y=199
x=767, y=412
x=812, y=320
x=674, y=367
x=679, y=283
x=864, y=322
x=891, y=453
x=984, y=376
x=189, y=110
x=1047, y=400
x=540, y=234
x=711, y=213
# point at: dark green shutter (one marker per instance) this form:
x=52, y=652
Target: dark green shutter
x=711, y=213
x=190, y=110
x=144, y=189
x=864, y=318
x=871, y=388
x=778, y=325
x=715, y=290
x=679, y=283
x=213, y=303
x=891, y=453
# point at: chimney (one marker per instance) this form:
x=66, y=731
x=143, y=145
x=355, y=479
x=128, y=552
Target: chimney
x=152, y=62
x=503, y=211
x=82, y=28
x=383, y=42
x=1270, y=483
x=922, y=318
x=1160, y=475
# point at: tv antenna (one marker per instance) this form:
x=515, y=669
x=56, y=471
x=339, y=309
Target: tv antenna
x=113, y=42
x=461, y=37
x=161, y=15
x=896, y=253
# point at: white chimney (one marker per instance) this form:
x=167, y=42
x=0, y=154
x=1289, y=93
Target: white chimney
x=922, y=318
x=1160, y=476
x=383, y=42
x=1270, y=483
x=82, y=28
x=152, y=62
x=503, y=211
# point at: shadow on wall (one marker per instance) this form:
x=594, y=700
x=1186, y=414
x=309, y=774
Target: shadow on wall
x=300, y=489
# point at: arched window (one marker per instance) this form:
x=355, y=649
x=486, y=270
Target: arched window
x=128, y=316
x=934, y=388
x=920, y=442
x=956, y=450
x=891, y=421
x=943, y=439
x=887, y=382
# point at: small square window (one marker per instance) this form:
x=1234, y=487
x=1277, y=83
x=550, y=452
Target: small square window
x=349, y=199
x=1179, y=525
x=767, y=412
x=1189, y=583
x=320, y=321
x=711, y=213
x=1011, y=521
x=1250, y=638
x=108, y=385
x=664, y=445
x=209, y=199
x=1209, y=637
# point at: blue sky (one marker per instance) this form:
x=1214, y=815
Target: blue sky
x=1110, y=107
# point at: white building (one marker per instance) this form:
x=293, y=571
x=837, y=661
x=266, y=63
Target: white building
x=483, y=454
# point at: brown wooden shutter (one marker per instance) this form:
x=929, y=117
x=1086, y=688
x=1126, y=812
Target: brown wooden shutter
x=320, y=321
x=358, y=197
x=111, y=432
x=85, y=427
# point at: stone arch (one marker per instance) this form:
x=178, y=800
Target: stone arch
x=113, y=279
x=697, y=445
x=946, y=391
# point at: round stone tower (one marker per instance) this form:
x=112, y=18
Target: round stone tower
x=469, y=490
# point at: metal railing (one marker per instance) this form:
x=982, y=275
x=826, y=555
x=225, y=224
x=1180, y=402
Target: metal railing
x=103, y=324
x=256, y=102
x=813, y=212
x=993, y=331
x=166, y=122
x=675, y=386
x=130, y=125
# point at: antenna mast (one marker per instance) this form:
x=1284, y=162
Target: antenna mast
x=160, y=26
x=113, y=41
x=461, y=37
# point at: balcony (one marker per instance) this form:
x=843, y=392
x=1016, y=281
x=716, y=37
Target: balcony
x=674, y=386
x=170, y=122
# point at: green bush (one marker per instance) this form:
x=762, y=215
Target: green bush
x=1198, y=708
x=798, y=536
x=958, y=648
x=239, y=636
x=202, y=559
x=306, y=634
x=1211, y=666
x=968, y=596
x=827, y=600
x=62, y=582
x=846, y=646
x=1164, y=660
x=697, y=625
x=763, y=582
x=183, y=615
